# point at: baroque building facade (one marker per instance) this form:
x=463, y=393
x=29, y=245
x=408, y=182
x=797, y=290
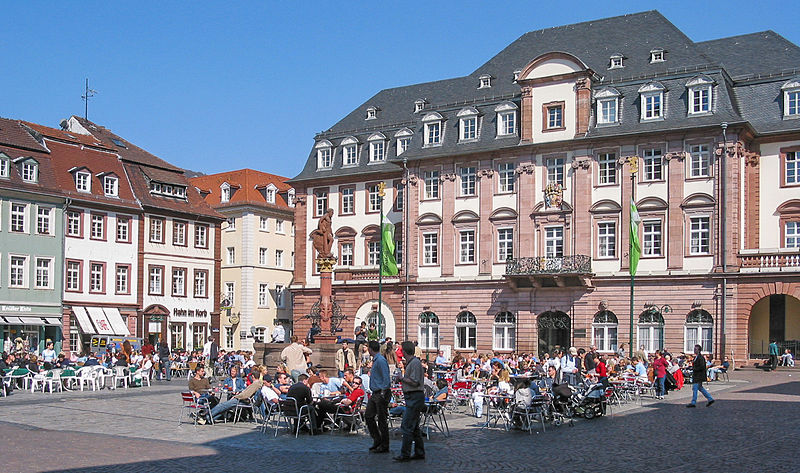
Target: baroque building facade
x=511, y=191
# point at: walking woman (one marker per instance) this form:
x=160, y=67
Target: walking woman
x=698, y=376
x=660, y=372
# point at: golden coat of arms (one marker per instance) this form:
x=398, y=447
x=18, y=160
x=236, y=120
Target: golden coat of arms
x=553, y=195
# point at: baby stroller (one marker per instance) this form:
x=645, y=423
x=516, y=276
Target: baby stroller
x=591, y=402
x=563, y=404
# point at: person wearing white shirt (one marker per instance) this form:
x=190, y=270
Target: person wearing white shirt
x=569, y=370
x=48, y=354
x=278, y=333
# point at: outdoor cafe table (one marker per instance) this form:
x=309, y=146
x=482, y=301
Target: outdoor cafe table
x=498, y=407
x=18, y=375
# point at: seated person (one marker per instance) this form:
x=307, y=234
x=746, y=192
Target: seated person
x=234, y=382
x=219, y=410
x=551, y=378
x=442, y=390
x=201, y=388
x=786, y=359
x=282, y=384
x=270, y=397
x=349, y=402
x=441, y=361
x=522, y=393
x=301, y=392
x=714, y=371
x=640, y=370
x=62, y=361
x=330, y=385
x=33, y=364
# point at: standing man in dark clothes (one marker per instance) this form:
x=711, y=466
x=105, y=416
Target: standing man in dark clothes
x=773, y=355
x=379, y=384
x=413, y=381
x=164, y=362
x=302, y=393
x=698, y=376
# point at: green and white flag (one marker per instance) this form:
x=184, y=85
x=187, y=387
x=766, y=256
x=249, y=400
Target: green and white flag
x=635, y=247
x=388, y=263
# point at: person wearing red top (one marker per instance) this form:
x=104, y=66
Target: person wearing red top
x=352, y=398
x=600, y=369
x=660, y=372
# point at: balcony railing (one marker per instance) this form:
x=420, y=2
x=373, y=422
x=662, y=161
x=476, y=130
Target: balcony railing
x=348, y=273
x=576, y=264
x=770, y=260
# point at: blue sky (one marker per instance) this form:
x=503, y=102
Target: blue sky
x=215, y=86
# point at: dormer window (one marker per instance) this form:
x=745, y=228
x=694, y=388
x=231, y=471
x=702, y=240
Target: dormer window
x=372, y=113
x=791, y=98
x=290, y=197
x=516, y=75
x=403, y=140
x=615, y=62
x=4, y=165
x=484, y=81
x=29, y=170
x=83, y=181
x=468, y=124
x=652, y=101
x=377, y=148
x=506, y=119
x=350, y=151
x=179, y=191
x=433, y=129
x=419, y=105
x=225, y=192
x=607, y=106
x=324, y=154
x=110, y=186
x=700, y=95
x=657, y=55
x=270, y=193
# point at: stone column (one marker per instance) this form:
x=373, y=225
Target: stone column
x=583, y=106
x=325, y=298
x=673, y=227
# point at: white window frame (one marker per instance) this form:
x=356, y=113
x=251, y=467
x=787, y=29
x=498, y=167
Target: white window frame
x=156, y=280
x=466, y=246
x=270, y=195
x=230, y=292
x=616, y=62
x=699, y=161
x=278, y=258
x=652, y=237
x=83, y=182
x=97, y=227
x=18, y=273
x=791, y=163
x=347, y=254
x=350, y=154
x=374, y=198
x=791, y=98
x=96, y=278
x=607, y=110
x=554, y=241
x=430, y=248
x=468, y=323
x=324, y=157
x=791, y=234
x=506, y=178
x=200, y=283
x=654, y=339
x=348, y=200
x=700, y=100
x=657, y=55
x=225, y=193
x=606, y=240
x=320, y=202
x=179, y=282
x=111, y=186
x=373, y=252
x=605, y=328
x=606, y=169
x=505, y=243
x=5, y=165
x=279, y=228
x=263, y=256
x=72, y=276
x=555, y=170
x=18, y=220
x=469, y=181
x=44, y=220
x=263, y=224
x=504, y=332
x=230, y=253
x=74, y=220
x=431, y=179
x=30, y=171
x=263, y=295
x=652, y=105
x=468, y=124
x=123, y=228
x=377, y=151
x=434, y=131
x=653, y=165
x=200, y=236
x=403, y=144
x=44, y=273
x=121, y=280
x=280, y=296
x=700, y=235
x=428, y=331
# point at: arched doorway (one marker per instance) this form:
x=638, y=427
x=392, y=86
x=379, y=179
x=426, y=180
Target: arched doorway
x=368, y=312
x=554, y=330
x=774, y=317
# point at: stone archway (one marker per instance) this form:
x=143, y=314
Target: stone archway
x=368, y=312
x=768, y=310
x=555, y=328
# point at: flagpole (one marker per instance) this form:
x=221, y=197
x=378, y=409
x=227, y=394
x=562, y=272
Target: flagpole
x=633, y=161
x=381, y=193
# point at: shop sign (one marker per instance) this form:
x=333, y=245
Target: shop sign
x=16, y=308
x=200, y=314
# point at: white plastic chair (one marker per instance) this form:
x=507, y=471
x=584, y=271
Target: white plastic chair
x=121, y=375
x=106, y=377
x=35, y=380
x=143, y=376
x=54, y=381
x=89, y=376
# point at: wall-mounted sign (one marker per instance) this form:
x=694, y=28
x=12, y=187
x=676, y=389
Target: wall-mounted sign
x=234, y=319
x=15, y=308
x=189, y=313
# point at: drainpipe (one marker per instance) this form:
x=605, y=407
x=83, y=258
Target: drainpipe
x=67, y=203
x=723, y=232
x=406, y=202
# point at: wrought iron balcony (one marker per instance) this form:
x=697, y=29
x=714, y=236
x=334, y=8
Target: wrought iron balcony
x=540, y=271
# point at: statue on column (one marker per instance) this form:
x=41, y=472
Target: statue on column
x=322, y=237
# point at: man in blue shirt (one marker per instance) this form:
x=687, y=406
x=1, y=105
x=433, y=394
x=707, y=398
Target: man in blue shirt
x=379, y=384
x=773, y=355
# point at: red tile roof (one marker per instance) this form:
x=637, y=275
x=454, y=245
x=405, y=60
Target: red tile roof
x=62, y=135
x=249, y=183
x=194, y=204
x=66, y=156
x=129, y=152
x=46, y=183
x=13, y=134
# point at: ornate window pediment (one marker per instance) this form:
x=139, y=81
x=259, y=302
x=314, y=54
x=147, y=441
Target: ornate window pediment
x=429, y=219
x=465, y=216
x=605, y=206
x=698, y=200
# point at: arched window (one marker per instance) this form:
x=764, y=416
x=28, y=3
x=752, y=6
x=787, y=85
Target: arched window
x=466, y=331
x=651, y=330
x=604, y=331
x=505, y=331
x=428, y=338
x=699, y=330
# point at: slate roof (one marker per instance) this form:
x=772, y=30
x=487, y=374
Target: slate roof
x=594, y=42
x=249, y=182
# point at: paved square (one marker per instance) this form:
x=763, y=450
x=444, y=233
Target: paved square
x=749, y=429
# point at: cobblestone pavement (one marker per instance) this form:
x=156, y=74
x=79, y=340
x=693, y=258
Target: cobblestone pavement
x=747, y=430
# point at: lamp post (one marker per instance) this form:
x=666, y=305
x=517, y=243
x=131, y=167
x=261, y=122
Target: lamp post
x=381, y=194
x=633, y=162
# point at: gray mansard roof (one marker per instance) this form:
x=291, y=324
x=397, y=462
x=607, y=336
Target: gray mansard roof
x=733, y=64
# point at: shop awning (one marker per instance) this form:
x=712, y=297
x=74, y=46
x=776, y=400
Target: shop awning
x=115, y=318
x=52, y=321
x=30, y=320
x=83, y=320
x=11, y=320
x=100, y=321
